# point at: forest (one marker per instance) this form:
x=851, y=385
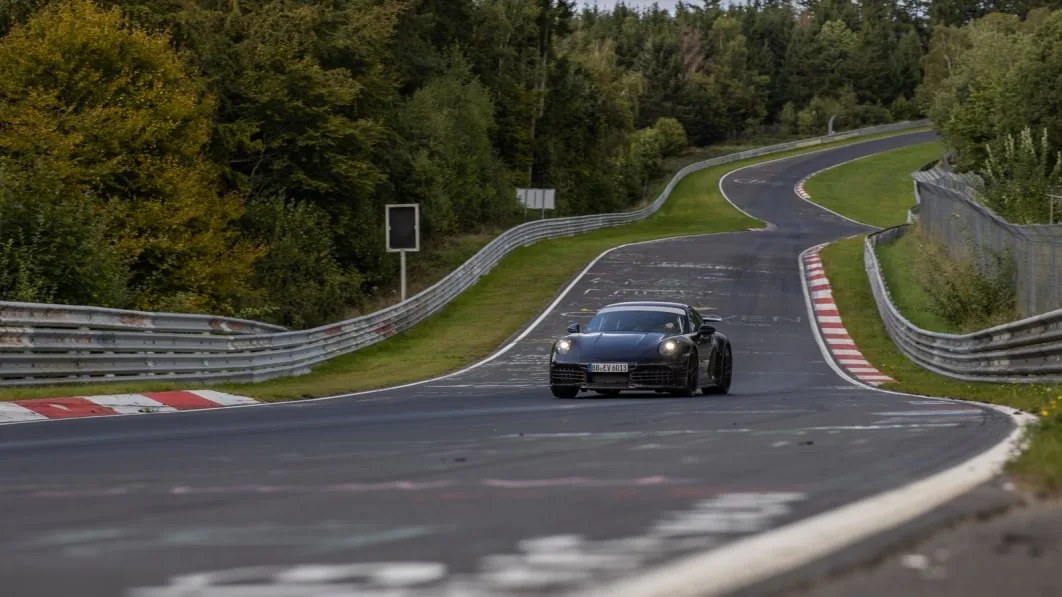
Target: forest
x=234, y=156
x=993, y=88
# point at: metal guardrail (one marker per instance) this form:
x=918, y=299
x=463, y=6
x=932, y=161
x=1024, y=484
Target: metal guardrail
x=1024, y=351
x=101, y=318
x=37, y=346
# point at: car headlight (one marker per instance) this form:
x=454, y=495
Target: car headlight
x=668, y=347
x=563, y=346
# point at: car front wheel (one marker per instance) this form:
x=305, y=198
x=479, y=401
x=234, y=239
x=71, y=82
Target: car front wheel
x=724, y=373
x=691, y=379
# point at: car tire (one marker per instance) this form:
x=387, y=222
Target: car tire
x=725, y=374
x=564, y=391
x=691, y=379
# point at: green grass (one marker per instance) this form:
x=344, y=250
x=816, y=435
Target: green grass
x=875, y=190
x=1040, y=467
x=482, y=318
x=907, y=292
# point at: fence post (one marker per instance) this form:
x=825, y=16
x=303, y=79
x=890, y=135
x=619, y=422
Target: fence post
x=1054, y=275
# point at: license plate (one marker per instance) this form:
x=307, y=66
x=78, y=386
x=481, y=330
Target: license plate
x=608, y=367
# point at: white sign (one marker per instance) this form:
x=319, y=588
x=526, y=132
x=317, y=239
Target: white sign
x=537, y=198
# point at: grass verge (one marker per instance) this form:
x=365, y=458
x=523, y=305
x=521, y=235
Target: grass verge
x=479, y=320
x=875, y=190
x=1040, y=467
x=905, y=287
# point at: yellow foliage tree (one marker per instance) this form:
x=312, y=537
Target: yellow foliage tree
x=110, y=111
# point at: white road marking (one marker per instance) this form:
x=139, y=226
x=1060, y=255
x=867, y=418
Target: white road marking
x=223, y=398
x=11, y=413
x=130, y=403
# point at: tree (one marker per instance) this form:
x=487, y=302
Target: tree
x=965, y=104
x=1029, y=93
x=110, y=112
x=673, y=135
x=457, y=178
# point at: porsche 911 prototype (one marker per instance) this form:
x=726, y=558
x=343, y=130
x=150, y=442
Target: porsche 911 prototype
x=642, y=346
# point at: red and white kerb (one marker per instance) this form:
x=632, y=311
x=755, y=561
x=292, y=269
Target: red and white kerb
x=828, y=318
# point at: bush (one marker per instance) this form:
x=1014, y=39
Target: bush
x=53, y=243
x=814, y=119
x=788, y=118
x=1019, y=175
x=647, y=152
x=970, y=293
x=904, y=109
x=870, y=115
x=674, y=136
x=305, y=286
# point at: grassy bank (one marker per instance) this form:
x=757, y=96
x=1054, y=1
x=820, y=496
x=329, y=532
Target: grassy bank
x=483, y=317
x=1040, y=467
x=907, y=293
x=881, y=193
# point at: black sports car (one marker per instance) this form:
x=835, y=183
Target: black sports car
x=646, y=346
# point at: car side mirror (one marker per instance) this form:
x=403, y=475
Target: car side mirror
x=706, y=329
x=573, y=328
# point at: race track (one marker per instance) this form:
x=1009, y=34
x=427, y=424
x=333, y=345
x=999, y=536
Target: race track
x=482, y=483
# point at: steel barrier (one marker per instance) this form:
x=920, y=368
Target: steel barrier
x=39, y=347
x=1024, y=351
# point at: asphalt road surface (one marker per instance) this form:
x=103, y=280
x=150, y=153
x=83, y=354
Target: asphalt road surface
x=483, y=483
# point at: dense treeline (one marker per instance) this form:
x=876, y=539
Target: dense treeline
x=993, y=87
x=234, y=156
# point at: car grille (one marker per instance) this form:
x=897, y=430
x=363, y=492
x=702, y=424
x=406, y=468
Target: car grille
x=653, y=375
x=609, y=379
x=567, y=374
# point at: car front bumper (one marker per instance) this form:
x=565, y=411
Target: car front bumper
x=639, y=376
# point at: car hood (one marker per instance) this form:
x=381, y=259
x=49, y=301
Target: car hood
x=618, y=347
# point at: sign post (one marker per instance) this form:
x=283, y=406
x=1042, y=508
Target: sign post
x=403, y=233
x=541, y=199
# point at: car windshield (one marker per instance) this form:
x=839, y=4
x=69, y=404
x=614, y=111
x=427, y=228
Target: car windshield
x=663, y=322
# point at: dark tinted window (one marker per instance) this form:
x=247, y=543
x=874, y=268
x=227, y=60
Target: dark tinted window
x=663, y=322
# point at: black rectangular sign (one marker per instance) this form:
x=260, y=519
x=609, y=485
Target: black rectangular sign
x=403, y=227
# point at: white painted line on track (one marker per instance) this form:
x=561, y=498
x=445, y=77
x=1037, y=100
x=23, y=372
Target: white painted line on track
x=129, y=403
x=13, y=413
x=223, y=398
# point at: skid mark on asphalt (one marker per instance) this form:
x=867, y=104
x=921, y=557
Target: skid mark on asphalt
x=546, y=563
x=306, y=539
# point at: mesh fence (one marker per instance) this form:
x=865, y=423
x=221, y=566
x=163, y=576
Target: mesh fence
x=949, y=213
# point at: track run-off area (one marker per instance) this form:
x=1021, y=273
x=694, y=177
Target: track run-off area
x=482, y=483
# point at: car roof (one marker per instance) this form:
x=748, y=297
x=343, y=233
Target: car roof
x=647, y=304
x=659, y=306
